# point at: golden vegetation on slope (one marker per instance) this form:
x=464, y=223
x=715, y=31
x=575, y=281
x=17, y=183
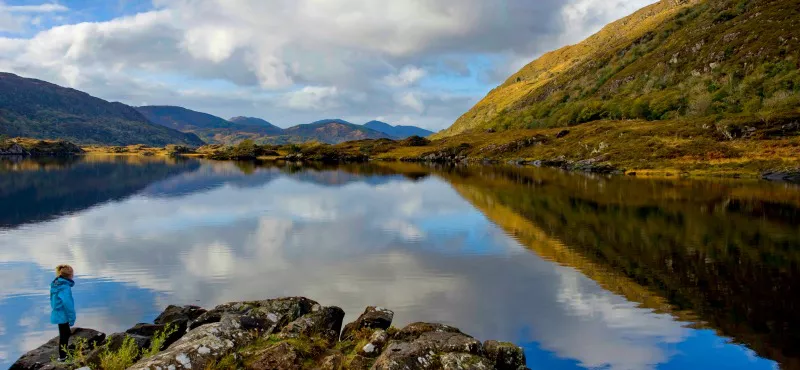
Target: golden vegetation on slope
x=743, y=145
x=674, y=59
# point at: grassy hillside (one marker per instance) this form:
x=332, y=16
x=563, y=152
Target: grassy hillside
x=38, y=109
x=676, y=59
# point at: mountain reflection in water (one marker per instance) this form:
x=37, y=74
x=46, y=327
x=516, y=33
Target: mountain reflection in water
x=582, y=271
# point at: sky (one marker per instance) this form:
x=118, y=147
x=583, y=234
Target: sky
x=412, y=62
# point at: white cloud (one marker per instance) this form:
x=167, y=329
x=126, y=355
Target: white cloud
x=41, y=8
x=407, y=76
x=14, y=18
x=411, y=100
x=313, y=98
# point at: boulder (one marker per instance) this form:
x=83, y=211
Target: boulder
x=277, y=312
x=325, y=322
x=785, y=175
x=175, y=314
x=413, y=331
x=504, y=356
x=282, y=356
x=372, y=318
x=464, y=361
x=176, y=331
x=200, y=347
x=13, y=149
x=422, y=346
x=594, y=165
x=42, y=357
x=376, y=344
x=209, y=317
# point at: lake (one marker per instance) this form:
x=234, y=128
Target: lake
x=581, y=271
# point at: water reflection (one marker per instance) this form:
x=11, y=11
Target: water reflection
x=597, y=272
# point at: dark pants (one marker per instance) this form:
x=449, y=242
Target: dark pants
x=63, y=339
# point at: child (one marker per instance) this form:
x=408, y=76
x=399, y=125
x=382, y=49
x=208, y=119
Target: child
x=63, y=307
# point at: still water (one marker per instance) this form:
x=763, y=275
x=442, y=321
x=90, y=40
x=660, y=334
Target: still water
x=581, y=271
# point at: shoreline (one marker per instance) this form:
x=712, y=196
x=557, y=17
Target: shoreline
x=294, y=333
x=664, y=149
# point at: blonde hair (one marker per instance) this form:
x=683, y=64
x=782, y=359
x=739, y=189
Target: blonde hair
x=64, y=270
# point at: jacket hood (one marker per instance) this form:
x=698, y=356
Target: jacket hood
x=61, y=283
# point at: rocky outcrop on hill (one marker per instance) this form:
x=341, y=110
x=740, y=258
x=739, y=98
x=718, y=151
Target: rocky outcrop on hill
x=283, y=334
x=38, y=148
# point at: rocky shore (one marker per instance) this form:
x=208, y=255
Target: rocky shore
x=38, y=148
x=282, y=334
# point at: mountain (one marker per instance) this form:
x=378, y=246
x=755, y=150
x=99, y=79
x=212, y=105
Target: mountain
x=674, y=59
x=210, y=128
x=258, y=122
x=183, y=119
x=217, y=130
x=333, y=131
x=39, y=109
x=397, y=132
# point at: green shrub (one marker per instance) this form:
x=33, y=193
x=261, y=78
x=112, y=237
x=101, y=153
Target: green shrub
x=122, y=358
x=415, y=141
x=158, y=341
x=293, y=148
x=76, y=356
x=593, y=111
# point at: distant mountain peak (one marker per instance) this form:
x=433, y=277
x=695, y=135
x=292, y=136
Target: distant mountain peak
x=397, y=132
x=334, y=131
x=254, y=121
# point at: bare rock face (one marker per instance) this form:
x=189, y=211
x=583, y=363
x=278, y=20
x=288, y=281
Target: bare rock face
x=178, y=314
x=504, y=356
x=423, y=346
x=790, y=175
x=464, y=361
x=325, y=322
x=225, y=329
x=150, y=330
x=377, y=342
x=372, y=318
x=413, y=331
x=42, y=357
x=13, y=149
x=279, y=311
x=200, y=347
